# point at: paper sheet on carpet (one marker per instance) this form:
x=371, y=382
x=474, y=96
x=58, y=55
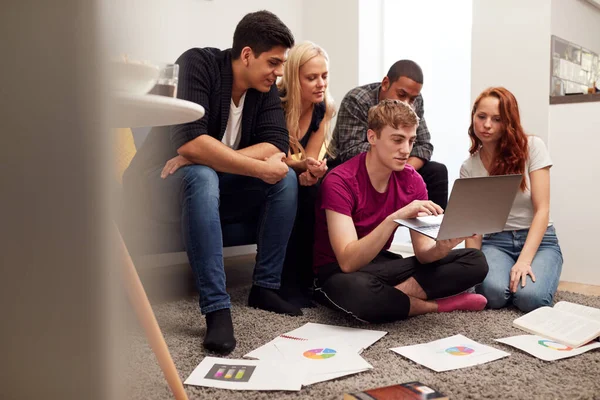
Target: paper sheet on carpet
x=360, y=339
x=450, y=353
x=323, y=359
x=224, y=373
x=546, y=349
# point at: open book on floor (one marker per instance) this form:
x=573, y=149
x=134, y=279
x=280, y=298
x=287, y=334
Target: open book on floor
x=567, y=323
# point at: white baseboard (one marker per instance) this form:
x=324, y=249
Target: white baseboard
x=239, y=250
x=163, y=260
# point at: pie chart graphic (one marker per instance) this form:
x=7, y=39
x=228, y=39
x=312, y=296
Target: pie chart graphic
x=459, y=350
x=554, y=346
x=319, y=354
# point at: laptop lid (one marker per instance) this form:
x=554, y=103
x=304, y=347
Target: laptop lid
x=479, y=205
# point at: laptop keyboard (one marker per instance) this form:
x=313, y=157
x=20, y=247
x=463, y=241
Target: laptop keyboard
x=430, y=228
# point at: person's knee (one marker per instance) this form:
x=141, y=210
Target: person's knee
x=344, y=290
x=478, y=265
x=285, y=191
x=200, y=180
x=495, y=293
x=289, y=184
x=368, y=311
x=528, y=298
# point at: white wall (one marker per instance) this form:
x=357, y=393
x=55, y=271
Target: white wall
x=578, y=22
x=160, y=30
x=574, y=143
x=574, y=147
x=371, y=24
x=333, y=25
x=441, y=45
x=511, y=48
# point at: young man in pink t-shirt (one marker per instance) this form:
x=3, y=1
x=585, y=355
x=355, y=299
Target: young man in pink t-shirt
x=354, y=227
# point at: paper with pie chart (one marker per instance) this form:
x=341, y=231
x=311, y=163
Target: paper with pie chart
x=360, y=339
x=546, y=349
x=323, y=359
x=450, y=353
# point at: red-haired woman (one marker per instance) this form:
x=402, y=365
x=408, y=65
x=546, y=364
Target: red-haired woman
x=525, y=260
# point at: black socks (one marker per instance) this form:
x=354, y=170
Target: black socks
x=300, y=297
x=219, y=332
x=219, y=326
x=270, y=300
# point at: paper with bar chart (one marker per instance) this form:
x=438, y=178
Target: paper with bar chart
x=224, y=373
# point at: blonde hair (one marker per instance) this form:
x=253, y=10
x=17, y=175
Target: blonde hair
x=291, y=93
x=394, y=113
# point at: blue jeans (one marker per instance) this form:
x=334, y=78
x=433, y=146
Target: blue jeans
x=502, y=250
x=203, y=199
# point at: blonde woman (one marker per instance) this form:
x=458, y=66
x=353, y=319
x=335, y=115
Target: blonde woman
x=308, y=110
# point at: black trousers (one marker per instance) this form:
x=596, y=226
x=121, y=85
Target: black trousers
x=370, y=294
x=297, y=268
x=435, y=175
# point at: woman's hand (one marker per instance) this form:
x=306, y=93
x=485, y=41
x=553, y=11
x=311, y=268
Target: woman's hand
x=519, y=272
x=306, y=179
x=173, y=165
x=316, y=168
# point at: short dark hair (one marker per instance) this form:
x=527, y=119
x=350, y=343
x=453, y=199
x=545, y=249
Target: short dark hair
x=261, y=31
x=407, y=68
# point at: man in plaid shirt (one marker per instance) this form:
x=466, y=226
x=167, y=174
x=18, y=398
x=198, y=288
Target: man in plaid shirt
x=403, y=82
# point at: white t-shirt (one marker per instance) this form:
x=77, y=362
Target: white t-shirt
x=233, y=130
x=521, y=213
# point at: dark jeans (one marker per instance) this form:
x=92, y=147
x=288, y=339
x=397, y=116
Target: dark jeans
x=202, y=199
x=369, y=294
x=435, y=175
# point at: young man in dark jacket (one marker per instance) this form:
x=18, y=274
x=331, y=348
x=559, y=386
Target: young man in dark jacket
x=227, y=167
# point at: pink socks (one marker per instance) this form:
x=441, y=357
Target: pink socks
x=463, y=301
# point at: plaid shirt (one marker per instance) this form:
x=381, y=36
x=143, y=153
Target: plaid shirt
x=350, y=133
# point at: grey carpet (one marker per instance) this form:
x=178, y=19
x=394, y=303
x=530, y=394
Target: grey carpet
x=519, y=376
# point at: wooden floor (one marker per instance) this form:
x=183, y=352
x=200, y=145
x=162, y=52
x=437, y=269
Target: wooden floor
x=591, y=290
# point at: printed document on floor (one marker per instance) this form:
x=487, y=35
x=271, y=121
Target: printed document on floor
x=546, y=349
x=323, y=359
x=224, y=373
x=359, y=339
x=450, y=353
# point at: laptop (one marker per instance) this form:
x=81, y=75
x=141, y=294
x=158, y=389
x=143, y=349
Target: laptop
x=476, y=206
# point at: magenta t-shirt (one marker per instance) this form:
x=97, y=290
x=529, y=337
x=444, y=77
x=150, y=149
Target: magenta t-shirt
x=347, y=190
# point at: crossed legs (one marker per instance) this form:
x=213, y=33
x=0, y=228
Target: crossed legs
x=390, y=289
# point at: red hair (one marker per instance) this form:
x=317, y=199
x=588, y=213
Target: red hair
x=512, y=150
